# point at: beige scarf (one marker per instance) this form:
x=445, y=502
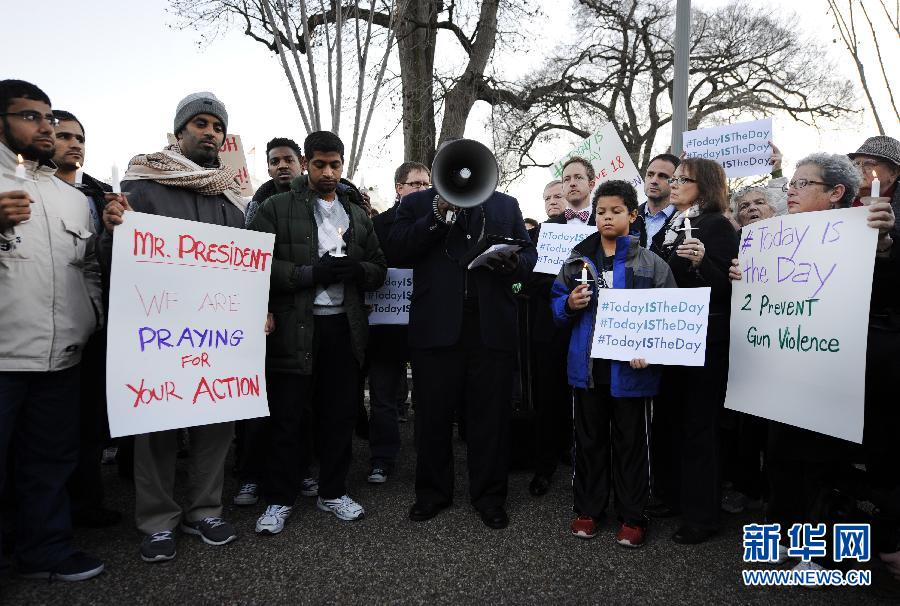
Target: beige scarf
x=171, y=167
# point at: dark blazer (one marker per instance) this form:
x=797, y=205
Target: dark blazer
x=440, y=281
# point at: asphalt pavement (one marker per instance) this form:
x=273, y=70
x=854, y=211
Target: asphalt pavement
x=386, y=559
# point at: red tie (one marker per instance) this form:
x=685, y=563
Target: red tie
x=581, y=214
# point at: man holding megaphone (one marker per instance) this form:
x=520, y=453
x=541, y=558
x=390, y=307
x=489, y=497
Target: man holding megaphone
x=468, y=245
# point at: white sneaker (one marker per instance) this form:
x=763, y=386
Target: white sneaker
x=343, y=507
x=802, y=566
x=247, y=495
x=272, y=521
x=309, y=487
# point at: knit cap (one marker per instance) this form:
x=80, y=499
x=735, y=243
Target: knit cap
x=199, y=103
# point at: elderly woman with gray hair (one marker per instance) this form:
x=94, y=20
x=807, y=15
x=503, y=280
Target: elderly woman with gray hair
x=758, y=202
x=804, y=468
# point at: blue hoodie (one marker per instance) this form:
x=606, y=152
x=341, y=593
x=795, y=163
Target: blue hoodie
x=633, y=267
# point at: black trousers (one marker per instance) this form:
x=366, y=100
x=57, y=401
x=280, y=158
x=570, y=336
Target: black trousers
x=331, y=389
x=552, y=403
x=477, y=379
x=611, y=440
x=86, y=484
x=685, y=440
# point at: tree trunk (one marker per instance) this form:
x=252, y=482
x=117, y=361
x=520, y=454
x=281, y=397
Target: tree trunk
x=415, y=46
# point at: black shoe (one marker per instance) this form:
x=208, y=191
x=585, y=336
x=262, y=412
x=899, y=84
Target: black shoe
x=494, y=517
x=539, y=485
x=422, y=510
x=661, y=510
x=692, y=535
x=96, y=517
x=77, y=567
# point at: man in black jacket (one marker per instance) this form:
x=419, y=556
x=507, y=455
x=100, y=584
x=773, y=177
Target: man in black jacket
x=284, y=162
x=463, y=336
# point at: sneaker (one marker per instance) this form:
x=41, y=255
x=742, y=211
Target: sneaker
x=76, y=567
x=343, y=507
x=309, y=487
x=584, y=527
x=272, y=521
x=804, y=566
x=247, y=495
x=213, y=531
x=377, y=476
x=158, y=547
x=630, y=536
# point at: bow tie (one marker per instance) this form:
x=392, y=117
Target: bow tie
x=581, y=214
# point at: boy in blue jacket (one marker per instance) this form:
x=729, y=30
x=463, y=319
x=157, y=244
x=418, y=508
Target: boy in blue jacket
x=611, y=411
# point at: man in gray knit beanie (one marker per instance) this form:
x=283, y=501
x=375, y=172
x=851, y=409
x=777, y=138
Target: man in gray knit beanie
x=200, y=125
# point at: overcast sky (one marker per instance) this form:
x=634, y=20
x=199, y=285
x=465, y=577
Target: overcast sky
x=122, y=68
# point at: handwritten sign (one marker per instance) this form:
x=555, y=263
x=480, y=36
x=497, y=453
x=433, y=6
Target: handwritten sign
x=660, y=325
x=742, y=149
x=390, y=303
x=799, y=320
x=186, y=344
x=232, y=154
x=607, y=154
x=556, y=244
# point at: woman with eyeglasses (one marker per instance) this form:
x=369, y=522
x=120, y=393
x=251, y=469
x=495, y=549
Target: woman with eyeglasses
x=806, y=469
x=686, y=413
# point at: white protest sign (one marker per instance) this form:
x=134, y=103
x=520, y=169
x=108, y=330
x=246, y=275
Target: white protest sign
x=660, y=325
x=607, y=154
x=742, y=149
x=556, y=244
x=390, y=303
x=185, y=343
x=799, y=321
x=232, y=154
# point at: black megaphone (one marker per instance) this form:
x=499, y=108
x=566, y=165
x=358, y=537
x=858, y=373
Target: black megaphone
x=464, y=173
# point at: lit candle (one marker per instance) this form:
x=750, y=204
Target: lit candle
x=337, y=248
x=20, y=169
x=584, y=274
x=687, y=228
x=79, y=173
x=876, y=186
x=116, y=185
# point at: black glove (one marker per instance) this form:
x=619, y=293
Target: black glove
x=325, y=271
x=347, y=269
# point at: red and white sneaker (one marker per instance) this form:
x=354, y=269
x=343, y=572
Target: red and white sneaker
x=630, y=536
x=584, y=527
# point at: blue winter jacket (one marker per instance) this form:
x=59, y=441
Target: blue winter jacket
x=633, y=267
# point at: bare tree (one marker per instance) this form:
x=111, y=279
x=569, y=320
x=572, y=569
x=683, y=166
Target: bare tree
x=845, y=21
x=744, y=60
x=289, y=29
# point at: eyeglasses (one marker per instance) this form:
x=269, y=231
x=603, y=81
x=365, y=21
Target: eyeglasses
x=416, y=184
x=32, y=116
x=682, y=180
x=801, y=183
x=867, y=165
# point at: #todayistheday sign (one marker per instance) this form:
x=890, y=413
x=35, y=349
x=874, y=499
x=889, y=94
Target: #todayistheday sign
x=186, y=344
x=390, y=303
x=660, y=325
x=607, y=154
x=799, y=321
x=743, y=149
x=556, y=243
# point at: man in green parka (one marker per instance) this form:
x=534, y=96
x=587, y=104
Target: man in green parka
x=326, y=257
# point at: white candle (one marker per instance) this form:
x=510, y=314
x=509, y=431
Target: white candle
x=116, y=185
x=79, y=173
x=584, y=274
x=337, y=248
x=20, y=169
x=687, y=227
x=876, y=186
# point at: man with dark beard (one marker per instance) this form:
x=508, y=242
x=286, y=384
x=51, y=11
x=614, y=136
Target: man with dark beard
x=50, y=294
x=284, y=162
x=185, y=181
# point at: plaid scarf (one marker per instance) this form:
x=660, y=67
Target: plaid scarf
x=170, y=167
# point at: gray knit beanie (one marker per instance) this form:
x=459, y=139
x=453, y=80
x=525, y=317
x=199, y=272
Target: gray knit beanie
x=199, y=103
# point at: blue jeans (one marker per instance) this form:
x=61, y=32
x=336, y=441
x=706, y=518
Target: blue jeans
x=39, y=419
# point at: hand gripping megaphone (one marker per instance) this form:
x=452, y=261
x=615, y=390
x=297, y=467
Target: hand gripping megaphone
x=464, y=173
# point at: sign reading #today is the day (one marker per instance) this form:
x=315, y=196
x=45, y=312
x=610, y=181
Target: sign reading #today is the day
x=556, y=243
x=390, y=303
